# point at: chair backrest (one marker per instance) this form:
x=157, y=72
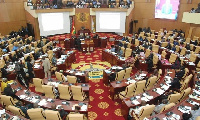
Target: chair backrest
x=146, y=112
x=155, y=48
x=7, y=100
x=38, y=84
x=174, y=98
x=151, y=82
x=183, y=51
x=64, y=92
x=147, y=53
x=140, y=85
x=155, y=59
x=48, y=91
x=137, y=42
x=172, y=58
x=130, y=90
x=127, y=72
x=59, y=76
x=187, y=40
x=75, y=117
x=52, y=115
x=15, y=110
x=177, y=48
x=128, y=52
x=197, y=50
x=186, y=72
x=185, y=93
x=71, y=79
x=193, y=57
x=163, y=55
x=164, y=44
x=167, y=107
x=36, y=114
x=77, y=93
x=120, y=75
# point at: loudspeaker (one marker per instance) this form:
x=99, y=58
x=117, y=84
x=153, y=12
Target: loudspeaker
x=135, y=21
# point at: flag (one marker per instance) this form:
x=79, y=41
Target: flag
x=93, y=28
x=73, y=30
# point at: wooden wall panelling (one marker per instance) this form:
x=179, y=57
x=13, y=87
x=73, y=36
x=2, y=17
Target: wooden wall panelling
x=82, y=18
x=12, y=16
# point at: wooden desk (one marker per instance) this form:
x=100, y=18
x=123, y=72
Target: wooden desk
x=83, y=77
x=175, y=108
x=127, y=104
x=112, y=59
x=87, y=43
x=116, y=88
x=85, y=88
x=47, y=105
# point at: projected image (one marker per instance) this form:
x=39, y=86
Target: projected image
x=109, y=20
x=167, y=9
x=52, y=21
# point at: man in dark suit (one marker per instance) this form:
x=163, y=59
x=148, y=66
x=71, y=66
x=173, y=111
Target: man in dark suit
x=9, y=92
x=180, y=73
x=4, y=72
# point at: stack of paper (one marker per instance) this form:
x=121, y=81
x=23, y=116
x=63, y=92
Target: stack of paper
x=135, y=102
x=36, y=66
x=185, y=109
x=84, y=108
x=191, y=63
x=165, y=87
x=159, y=91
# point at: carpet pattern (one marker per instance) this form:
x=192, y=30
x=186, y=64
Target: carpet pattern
x=101, y=106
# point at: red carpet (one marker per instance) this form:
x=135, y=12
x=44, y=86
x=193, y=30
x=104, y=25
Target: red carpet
x=101, y=106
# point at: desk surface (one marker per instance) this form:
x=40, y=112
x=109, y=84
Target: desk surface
x=43, y=100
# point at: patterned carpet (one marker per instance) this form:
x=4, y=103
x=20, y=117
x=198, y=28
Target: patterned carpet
x=101, y=106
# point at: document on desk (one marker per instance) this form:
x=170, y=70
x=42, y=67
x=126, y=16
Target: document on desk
x=36, y=66
x=185, y=109
x=145, y=99
x=2, y=111
x=165, y=87
x=84, y=107
x=22, y=96
x=130, y=81
x=135, y=102
x=191, y=63
x=42, y=102
x=159, y=91
x=79, y=73
x=143, y=75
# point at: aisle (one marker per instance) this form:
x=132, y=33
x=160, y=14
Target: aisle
x=101, y=106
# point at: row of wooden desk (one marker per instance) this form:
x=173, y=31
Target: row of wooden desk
x=39, y=72
x=127, y=103
x=42, y=102
x=111, y=58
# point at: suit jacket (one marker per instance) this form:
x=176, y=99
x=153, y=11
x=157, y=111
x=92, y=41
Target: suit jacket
x=8, y=91
x=46, y=64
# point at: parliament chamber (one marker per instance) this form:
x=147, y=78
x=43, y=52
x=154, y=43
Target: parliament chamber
x=99, y=59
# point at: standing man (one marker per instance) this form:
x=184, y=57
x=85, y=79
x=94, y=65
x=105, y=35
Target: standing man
x=47, y=67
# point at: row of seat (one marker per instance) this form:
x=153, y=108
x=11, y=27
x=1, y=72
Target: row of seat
x=123, y=74
x=65, y=92
x=40, y=114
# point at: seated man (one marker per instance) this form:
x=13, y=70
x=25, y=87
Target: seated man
x=180, y=73
x=160, y=106
x=112, y=48
x=10, y=92
x=195, y=112
x=24, y=108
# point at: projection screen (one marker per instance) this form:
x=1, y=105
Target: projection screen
x=54, y=23
x=110, y=22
